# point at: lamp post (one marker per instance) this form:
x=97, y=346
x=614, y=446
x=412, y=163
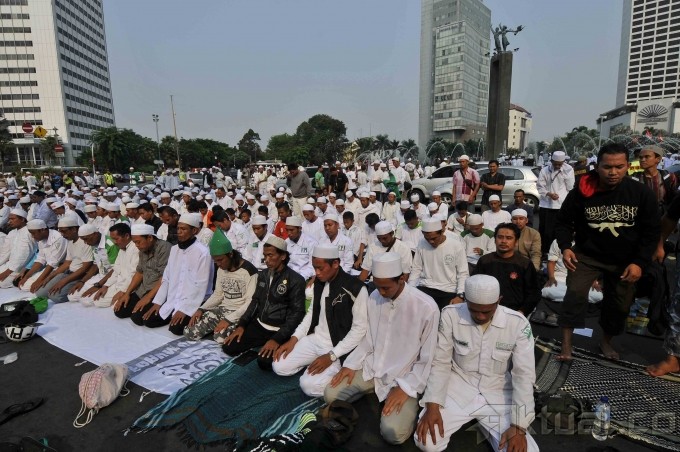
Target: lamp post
x=158, y=140
x=599, y=143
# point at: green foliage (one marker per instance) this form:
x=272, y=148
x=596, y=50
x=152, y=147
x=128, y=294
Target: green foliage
x=248, y=145
x=47, y=145
x=5, y=140
x=579, y=140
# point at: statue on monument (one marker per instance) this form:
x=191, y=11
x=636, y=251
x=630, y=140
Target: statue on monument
x=500, y=38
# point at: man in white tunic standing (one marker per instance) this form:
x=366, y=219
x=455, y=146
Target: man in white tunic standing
x=394, y=358
x=483, y=369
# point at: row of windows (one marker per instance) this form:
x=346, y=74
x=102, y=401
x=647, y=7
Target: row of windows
x=81, y=43
x=15, y=56
x=16, y=43
x=77, y=111
x=76, y=5
x=88, y=103
x=21, y=110
x=82, y=79
x=18, y=96
x=35, y=122
x=13, y=16
x=66, y=21
x=75, y=87
x=13, y=2
x=82, y=136
x=17, y=70
x=15, y=29
x=81, y=66
x=85, y=125
x=82, y=55
x=97, y=23
x=18, y=83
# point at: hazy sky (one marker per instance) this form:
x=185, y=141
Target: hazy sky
x=269, y=65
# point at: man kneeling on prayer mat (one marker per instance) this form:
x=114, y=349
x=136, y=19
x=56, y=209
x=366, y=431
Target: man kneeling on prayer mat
x=79, y=260
x=153, y=258
x=483, y=369
x=51, y=253
x=104, y=252
x=186, y=281
x=334, y=325
x=235, y=286
x=117, y=280
x=393, y=359
x=276, y=309
x=17, y=250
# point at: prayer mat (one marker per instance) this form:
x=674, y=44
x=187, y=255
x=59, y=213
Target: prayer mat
x=643, y=408
x=231, y=404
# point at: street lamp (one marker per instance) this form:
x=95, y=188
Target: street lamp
x=158, y=140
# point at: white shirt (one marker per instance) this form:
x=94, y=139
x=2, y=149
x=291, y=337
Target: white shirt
x=421, y=211
x=399, y=247
x=345, y=248
x=204, y=236
x=551, y=181
x=497, y=363
x=301, y=255
x=353, y=206
x=18, y=249
x=454, y=225
x=485, y=242
x=399, y=345
x=555, y=255
x=187, y=280
x=377, y=181
x=52, y=250
x=355, y=234
x=124, y=268
x=322, y=335
x=363, y=212
x=443, y=268
x=253, y=251
x=4, y=216
x=314, y=230
x=238, y=236
x=389, y=212
x=492, y=219
x=78, y=253
x=409, y=236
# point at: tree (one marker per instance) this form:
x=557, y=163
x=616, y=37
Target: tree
x=408, y=144
x=118, y=149
x=248, y=144
x=394, y=144
x=381, y=142
x=286, y=148
x=47, y=146
x=5, y=140
x=323, y=137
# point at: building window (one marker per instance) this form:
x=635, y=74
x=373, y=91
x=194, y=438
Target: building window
x=14, y=29
x=21, y=110
x=13, y=2
x=10, y=56
x=18, y=96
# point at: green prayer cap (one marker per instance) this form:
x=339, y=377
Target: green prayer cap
x=219, y=244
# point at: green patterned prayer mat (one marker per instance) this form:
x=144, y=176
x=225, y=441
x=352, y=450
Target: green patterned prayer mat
x=231, y=404
x=644, y=408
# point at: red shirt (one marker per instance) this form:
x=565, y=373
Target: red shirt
x=280, y=230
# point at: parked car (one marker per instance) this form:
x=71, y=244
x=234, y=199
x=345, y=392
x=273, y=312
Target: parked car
x=516, y=177
x=424, y=186
x=196, y=178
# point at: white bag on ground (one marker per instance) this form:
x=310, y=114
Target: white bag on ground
x=100, y=387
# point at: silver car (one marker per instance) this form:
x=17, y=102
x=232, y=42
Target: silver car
x=424, y=186
x=516, y=177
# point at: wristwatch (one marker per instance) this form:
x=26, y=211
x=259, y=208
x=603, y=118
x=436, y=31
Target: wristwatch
x=461, y=295
x=333, y=357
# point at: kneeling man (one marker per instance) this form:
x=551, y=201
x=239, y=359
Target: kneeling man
x=331, y=329
x=483, y=369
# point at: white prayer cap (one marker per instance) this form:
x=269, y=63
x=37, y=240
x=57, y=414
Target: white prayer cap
x=258, y=220
x=475, y=219
x=432, y=206
x=404, y=204
x=50, y=200
x=392, y=194
x=263, y=198
x=13, y=197
x=69, y=221
x=238, y=198
x=61, y=190
x=190, y=219
x=377, y=162
x=277, y=242
x=371, y=193
x=559, y=156
x=415, y=198
x=363, y=195
x=311, y=200
x=154, y=201
x=383, y=165
x=307, y=208
x=294, y=221
x=110, y=193
x=112, y=207
x=383, y=227
x=432, y=225
x=494, y=198
x=332, y=195
x=332, y=217
x=436, y=193
x=482, y=289
x=165, y=194
x=326, y=251
x=86, y=230
x=386, y=265
x=250, y=196
x=142, y=229
x=322, y=200
x=520, y=213
x=199, y=198
x=279, y=195
x=176, y=193
x=396, y=158
x=348, y=193
x=24, y=200
x=463, y=157
x=340, y=202
x=56, y=205
x=35, y=225
x=132, y=205
x=125, y=199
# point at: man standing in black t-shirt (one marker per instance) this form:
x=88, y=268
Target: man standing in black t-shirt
x=492, y=183
x=515, y=273
x=338, y=182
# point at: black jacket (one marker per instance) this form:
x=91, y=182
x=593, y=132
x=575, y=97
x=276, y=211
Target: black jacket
x=280, y=304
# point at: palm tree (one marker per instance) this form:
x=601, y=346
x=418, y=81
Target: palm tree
x=110, y=146
x=47, y=146
x=381, y=142
x=5, y=140
x=394, y=144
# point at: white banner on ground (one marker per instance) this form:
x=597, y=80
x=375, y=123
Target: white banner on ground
x=175, y=365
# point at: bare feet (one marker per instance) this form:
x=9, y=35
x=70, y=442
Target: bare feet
x=564, y=357
x=607, y=350
x=668, y=365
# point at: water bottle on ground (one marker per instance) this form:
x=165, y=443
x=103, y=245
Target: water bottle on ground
x=602, y=417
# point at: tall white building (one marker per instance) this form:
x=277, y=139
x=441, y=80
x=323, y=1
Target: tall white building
x=649, y=82
x=519, y=127
x=54, y=73
x=454, y=70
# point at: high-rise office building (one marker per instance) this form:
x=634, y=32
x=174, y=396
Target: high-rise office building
x=454, y=70
x=649, y=83
x=54, y=73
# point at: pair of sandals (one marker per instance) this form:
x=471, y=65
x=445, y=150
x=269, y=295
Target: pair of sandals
x=18, y=409
x=543, y=318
